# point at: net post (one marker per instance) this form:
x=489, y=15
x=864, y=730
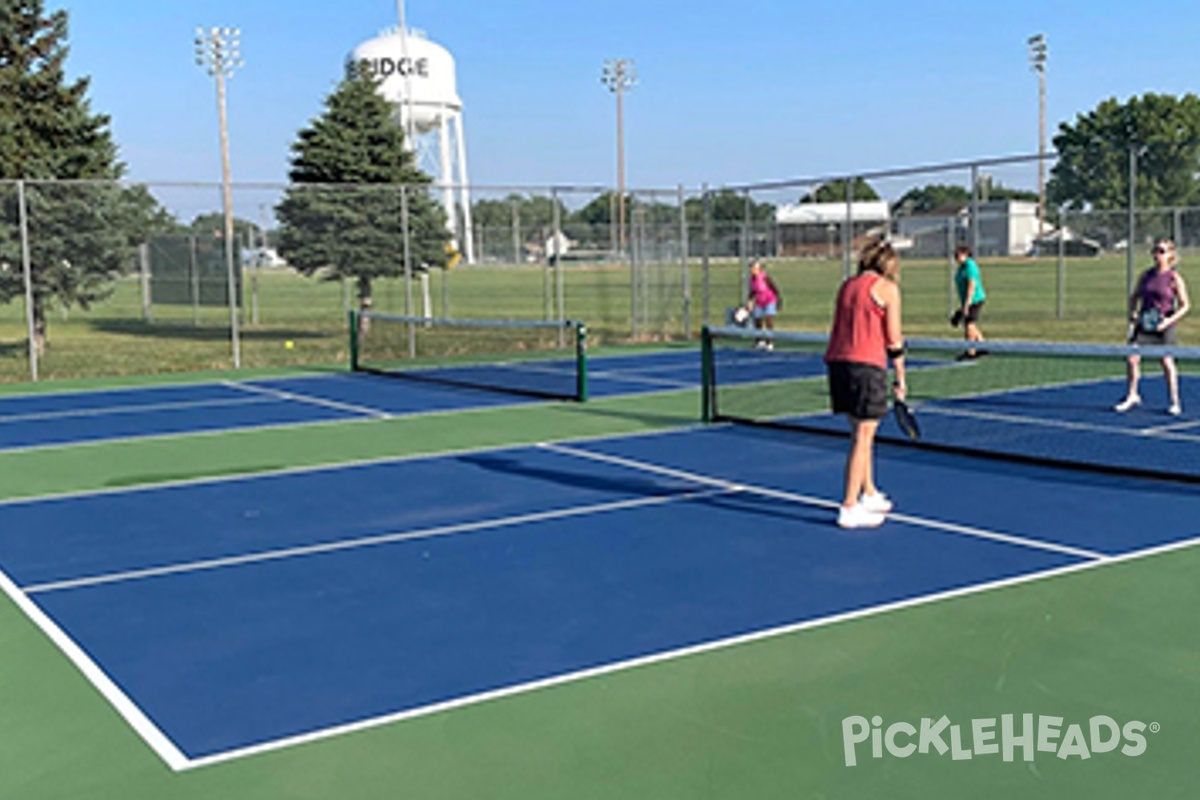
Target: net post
x=353, y=316
x=581, y=370
x=706, y=374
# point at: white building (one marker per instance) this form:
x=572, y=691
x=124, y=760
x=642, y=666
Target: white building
x=1006, y=228
x=815, y=229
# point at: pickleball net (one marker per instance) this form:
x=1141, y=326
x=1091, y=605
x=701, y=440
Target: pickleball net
x=1033, y=402
x=530, y=358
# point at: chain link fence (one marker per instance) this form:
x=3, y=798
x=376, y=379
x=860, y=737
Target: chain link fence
x=128, y=278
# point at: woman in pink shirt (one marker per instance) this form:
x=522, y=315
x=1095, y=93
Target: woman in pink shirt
x=763, y=302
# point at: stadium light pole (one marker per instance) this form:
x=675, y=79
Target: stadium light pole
x=1037, y=59
x=620, y=76
x=218, y=52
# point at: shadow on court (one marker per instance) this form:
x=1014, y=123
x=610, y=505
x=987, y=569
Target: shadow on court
x=755, y=506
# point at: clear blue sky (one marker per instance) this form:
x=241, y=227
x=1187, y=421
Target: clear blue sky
x=730, y=92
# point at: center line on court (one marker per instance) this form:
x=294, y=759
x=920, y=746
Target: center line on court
x=304, y=398
x=365, y=541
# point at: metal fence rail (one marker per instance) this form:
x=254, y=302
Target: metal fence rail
x=106, y=278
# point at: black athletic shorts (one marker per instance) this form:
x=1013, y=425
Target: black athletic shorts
x=973, y=311
x=1154, y=337
x=859, y=390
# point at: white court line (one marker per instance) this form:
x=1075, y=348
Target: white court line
x=304, y=398
x=621, y=375
x=1090, y=427
x=949, y=527
x=324, y=467
x=365, y=541
x=195, y=382
x=1172, y=427
x=188, y=434
x=135, y=409
x=141, y=724
x=672, y=655
x=569, y=372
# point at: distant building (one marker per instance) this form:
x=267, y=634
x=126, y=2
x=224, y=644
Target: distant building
x=814, y=230
x=1006, y=228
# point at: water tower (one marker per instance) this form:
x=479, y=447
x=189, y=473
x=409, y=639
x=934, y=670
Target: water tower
x=418, y=76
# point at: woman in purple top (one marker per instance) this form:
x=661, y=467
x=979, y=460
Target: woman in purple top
x=1158, y=302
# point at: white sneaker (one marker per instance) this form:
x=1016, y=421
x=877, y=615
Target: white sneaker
x=858, y=516
x=1175, y=410
x=1127, y=403
x=770, y=346
x=879, y=502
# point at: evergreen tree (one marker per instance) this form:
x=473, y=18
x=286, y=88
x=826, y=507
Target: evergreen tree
x=81, y=235
x=342, y=215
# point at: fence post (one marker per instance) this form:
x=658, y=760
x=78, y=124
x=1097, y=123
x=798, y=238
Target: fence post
x=1132, y=221
x=706, y=252
x=144, y=270
x=975, y=211
x=683, y=264
x=951, y=292
x=195, y=280
x=408, y=287
x=516, y=231
x=27, y=268
x=848, y=231
x=1061, y=289
x=559, y=294
x=744, y=255
x=646, y=295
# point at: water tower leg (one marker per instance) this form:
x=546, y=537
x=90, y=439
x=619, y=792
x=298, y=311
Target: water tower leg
x=464, y=189
x=447, y=177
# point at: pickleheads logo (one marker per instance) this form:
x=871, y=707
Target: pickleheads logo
x=983, y=737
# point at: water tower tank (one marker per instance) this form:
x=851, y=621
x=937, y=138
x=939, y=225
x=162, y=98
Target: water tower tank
x=414, y=65
x=418, y=77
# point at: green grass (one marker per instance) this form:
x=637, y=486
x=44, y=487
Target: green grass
x=111, y=339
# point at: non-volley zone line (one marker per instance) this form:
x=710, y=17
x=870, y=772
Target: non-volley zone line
x=820, y=502
x=371, y=541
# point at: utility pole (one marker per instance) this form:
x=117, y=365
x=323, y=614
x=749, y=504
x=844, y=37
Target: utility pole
x=217, y=50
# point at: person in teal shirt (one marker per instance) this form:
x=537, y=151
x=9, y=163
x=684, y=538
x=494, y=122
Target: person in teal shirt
x=971, y=296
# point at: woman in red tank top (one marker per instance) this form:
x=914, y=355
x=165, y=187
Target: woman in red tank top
x=866, y=333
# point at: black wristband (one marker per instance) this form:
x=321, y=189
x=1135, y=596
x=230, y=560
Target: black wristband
x=896, y=352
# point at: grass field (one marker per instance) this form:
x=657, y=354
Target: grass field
x=113, y=340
